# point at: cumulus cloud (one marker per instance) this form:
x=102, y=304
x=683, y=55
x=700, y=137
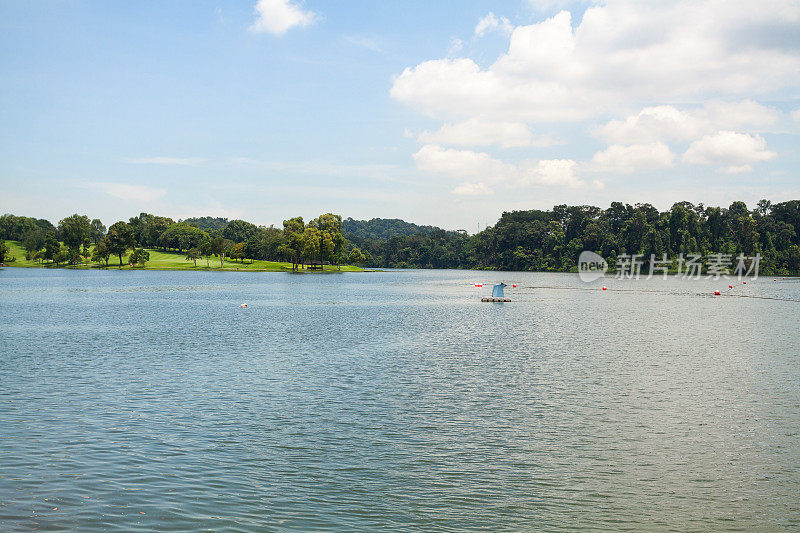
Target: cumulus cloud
x=492, y=23
x=796, y=114
x=626, y=159
x=621, y=52
x=279, y=16
x=139, y=193
x=668, y=123
x=467, y=164
x=555, y=172
x=461, y=163
x=472, y=189
x=734, y=151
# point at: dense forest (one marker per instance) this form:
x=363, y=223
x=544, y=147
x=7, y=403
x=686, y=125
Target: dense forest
x=552, y=240
x=379, y=229
x=521, y=240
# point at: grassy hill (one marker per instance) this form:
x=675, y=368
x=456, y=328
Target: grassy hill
x=160, y=260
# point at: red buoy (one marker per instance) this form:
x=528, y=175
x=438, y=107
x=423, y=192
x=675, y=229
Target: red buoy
x=774, y=280
x=604, y=288
x=744, y=283
x=716, y=293
x=730, y=286
x=479, y=284
x=514, y=285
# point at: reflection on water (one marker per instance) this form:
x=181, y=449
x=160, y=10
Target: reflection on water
x=395, y=400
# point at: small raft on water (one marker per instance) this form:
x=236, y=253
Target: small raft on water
x=497, y=295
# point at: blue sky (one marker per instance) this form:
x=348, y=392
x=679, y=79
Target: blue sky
x=444, y=113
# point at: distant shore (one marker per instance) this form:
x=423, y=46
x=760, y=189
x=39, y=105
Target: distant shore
x=160, y=260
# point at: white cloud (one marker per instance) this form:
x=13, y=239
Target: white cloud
x=622, y=52
x=181, y=161
x=466, y=164
x=626, y=159
x=556, y=172
x=548, y=5
x=734, y=152
x=667, y=123
x=462, y=163
x=472, y=189
x=796, y=114
x=475, y=132
x=492, y=23
x=139, y=193
x=279, y=16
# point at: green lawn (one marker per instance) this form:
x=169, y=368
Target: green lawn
x=172, y=261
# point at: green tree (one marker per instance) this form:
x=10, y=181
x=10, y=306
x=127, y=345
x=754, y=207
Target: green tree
x=356, y=257
x=193, y=255
x=207, y=249
x=62, y=256
x=120, y=239
x=182, y=236
x=311, y=243
x=51, y=246
x=221, y=247
x=97, y=231
x=293, y=245
x=101, y=253
x=34, y=241
x=239, y=230
x=139, y=256
x=3, y=251
x=332, y=242
x=75, y=231
x=237, y=251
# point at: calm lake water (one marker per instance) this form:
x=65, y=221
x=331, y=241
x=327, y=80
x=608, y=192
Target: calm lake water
x=395, y=401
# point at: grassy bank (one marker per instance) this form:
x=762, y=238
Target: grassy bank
x=160, y=260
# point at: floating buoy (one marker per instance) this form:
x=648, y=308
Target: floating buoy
x=604, y=288
x=774, y=280
x=243, y=306
x=514, y=285
x=479, y=284
x=744, y=283
x=716, y=293
x=730, y=286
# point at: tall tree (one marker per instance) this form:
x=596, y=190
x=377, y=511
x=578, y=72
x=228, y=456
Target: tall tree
x=221, y=247
x=75, y=231
x=51, y=246
x=120, y=239
x=193, y=255
x=97, y=231
x=101, y=252
x=293, y=245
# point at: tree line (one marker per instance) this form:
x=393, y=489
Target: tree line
x=552, y=240
x=77, y=239
x=537, y=240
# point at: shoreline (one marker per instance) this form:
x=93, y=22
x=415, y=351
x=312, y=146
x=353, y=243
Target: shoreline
x=126, y=268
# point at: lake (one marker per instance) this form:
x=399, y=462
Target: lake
x=396, y=401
